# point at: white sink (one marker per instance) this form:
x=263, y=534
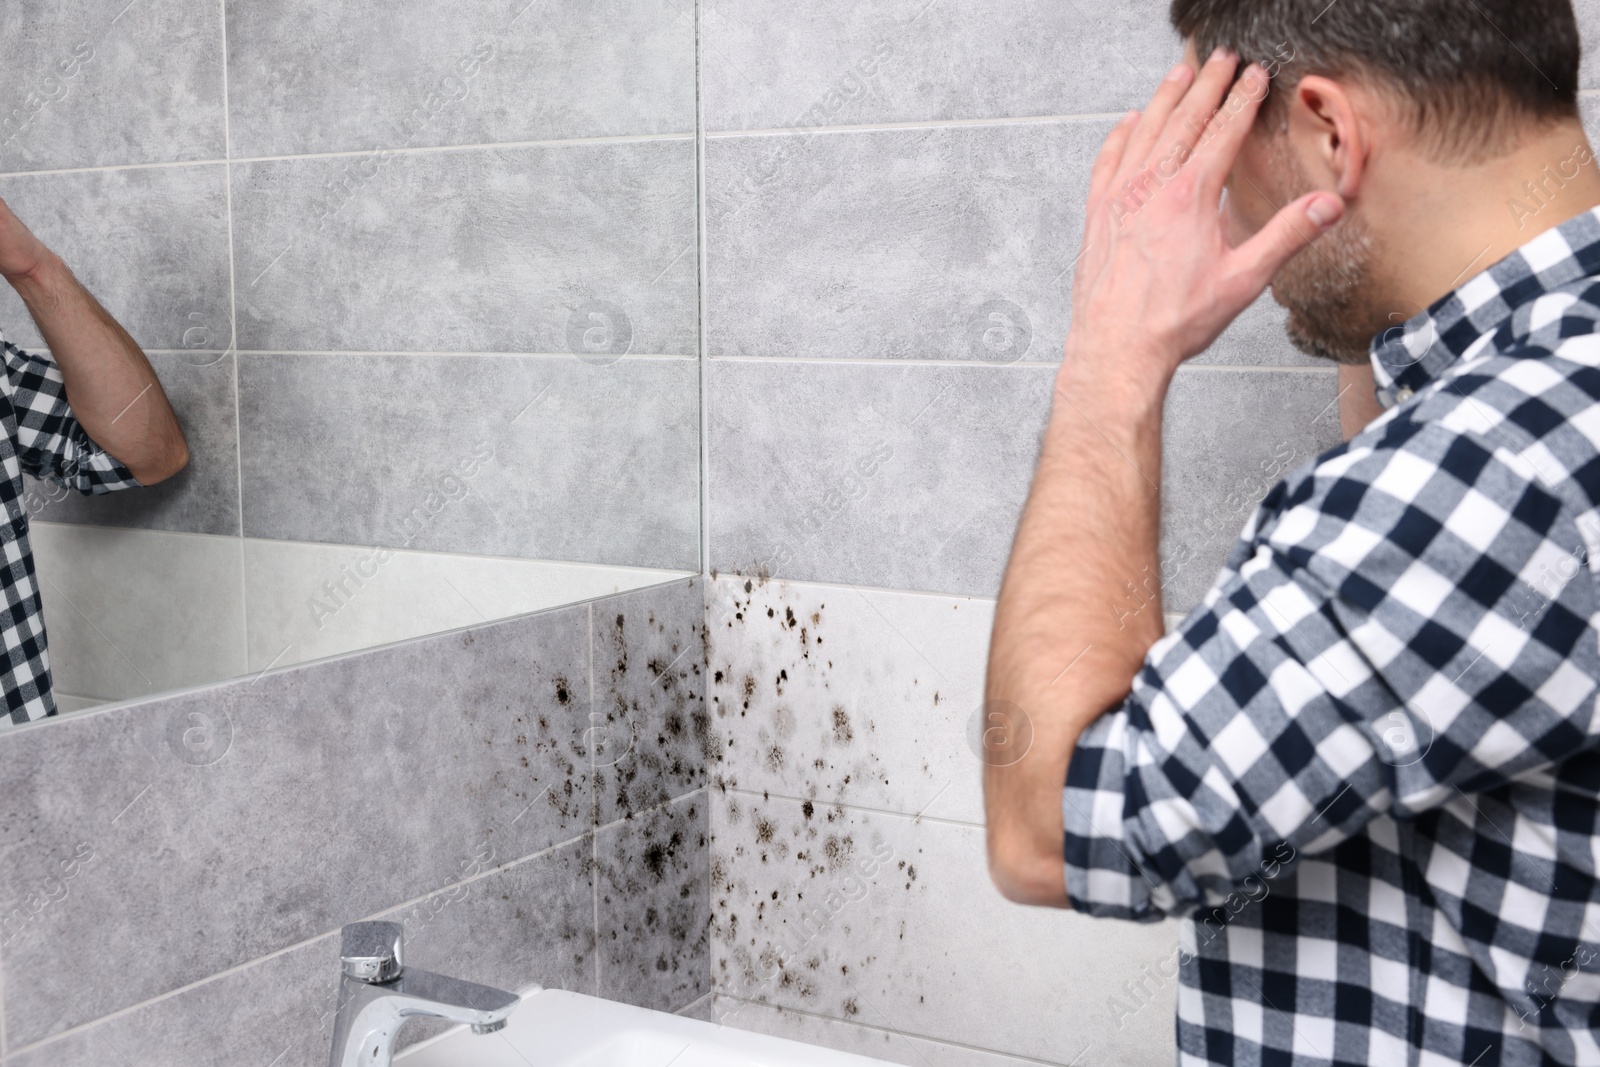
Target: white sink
x=554, y=1028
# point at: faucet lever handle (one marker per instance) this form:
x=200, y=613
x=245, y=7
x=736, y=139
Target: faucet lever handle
x=370, y=951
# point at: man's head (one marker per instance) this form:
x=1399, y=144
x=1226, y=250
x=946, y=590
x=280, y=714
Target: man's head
x=1383, y=102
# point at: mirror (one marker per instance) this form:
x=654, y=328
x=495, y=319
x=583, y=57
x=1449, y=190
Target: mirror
x=423, y=296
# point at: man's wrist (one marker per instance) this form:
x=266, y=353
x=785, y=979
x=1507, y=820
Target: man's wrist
x=1114, y=383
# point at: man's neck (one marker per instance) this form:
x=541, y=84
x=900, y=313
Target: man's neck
x=1447, y=224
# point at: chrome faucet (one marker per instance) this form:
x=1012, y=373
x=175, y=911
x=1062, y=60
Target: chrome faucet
x=377, y=995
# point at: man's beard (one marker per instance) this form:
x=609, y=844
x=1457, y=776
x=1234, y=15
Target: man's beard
x=1328, y=287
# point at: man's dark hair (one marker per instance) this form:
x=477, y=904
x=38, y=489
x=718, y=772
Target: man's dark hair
x=1468, y=75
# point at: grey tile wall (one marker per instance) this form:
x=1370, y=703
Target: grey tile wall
x=651, y=728
x=508, y=249
x=312, y=77
x=890, y=921
x=912, y=477
x=66, y=100
x=421, y=756
x=896, y=243
x=831, y=62
x=875, y=474
x=203, y=497
x=527, y=923
x=151, y=244
x=1229, y=436
x=370, y=189
x=653, y=906
x=531, y=456
x=837, y=694
x=848, y=881
x=245, y=822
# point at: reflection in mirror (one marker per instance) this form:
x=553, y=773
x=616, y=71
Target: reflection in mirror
x=424, y=301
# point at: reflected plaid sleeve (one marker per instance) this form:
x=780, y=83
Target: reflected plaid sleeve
x=1396, y=627
x=50, y=441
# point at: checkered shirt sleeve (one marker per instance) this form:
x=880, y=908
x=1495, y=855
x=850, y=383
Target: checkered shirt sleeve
x=1398, y=626
x=50, y=442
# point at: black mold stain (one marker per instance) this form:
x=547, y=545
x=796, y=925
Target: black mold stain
x=842, y=733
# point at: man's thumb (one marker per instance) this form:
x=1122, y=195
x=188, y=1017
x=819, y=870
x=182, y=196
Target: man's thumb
x=1290, y=231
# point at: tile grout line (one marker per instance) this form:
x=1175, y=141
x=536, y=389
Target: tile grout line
x=916, y=124
x=233, y=343
x=768, y=794
x=697, y=134
x=887, y=1031
x=630, y=357
x=1021, y=364
x=637, y=138
x=594, y=816
x=700, y=295
x=758, y=582
x=695, y=1002
x=843, y=361
x=239, y=968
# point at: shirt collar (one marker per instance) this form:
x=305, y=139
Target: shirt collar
x=1409, y=356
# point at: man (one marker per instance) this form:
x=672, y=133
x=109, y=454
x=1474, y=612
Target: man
x=1368, y=767
x=94, y=419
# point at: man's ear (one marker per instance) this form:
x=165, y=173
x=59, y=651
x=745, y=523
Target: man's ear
x=1330, y=134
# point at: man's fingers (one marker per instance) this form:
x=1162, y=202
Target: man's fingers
x=1287, y=234
x=1228, y=128
x=1188, y=121
x=1109, y=160
x=1153, y=124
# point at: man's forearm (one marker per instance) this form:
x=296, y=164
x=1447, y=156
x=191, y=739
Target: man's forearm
x=1156, y=283
x=110, y=385
x=1079, y=608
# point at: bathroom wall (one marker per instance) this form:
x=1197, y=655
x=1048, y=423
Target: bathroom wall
x=365, y=243
x=892, y=211
x=526, y=797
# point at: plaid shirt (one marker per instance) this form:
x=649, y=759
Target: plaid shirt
x=38, y=437
x=1367, y=769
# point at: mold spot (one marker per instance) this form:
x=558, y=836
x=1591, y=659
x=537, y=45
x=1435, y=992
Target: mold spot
x=655, y=858
x=842, y=733
x=807, y=809
x=563, y=691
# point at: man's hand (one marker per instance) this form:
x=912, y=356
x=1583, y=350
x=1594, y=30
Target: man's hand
x=110, y=385
x=1158, y=280
x=1080, y=606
